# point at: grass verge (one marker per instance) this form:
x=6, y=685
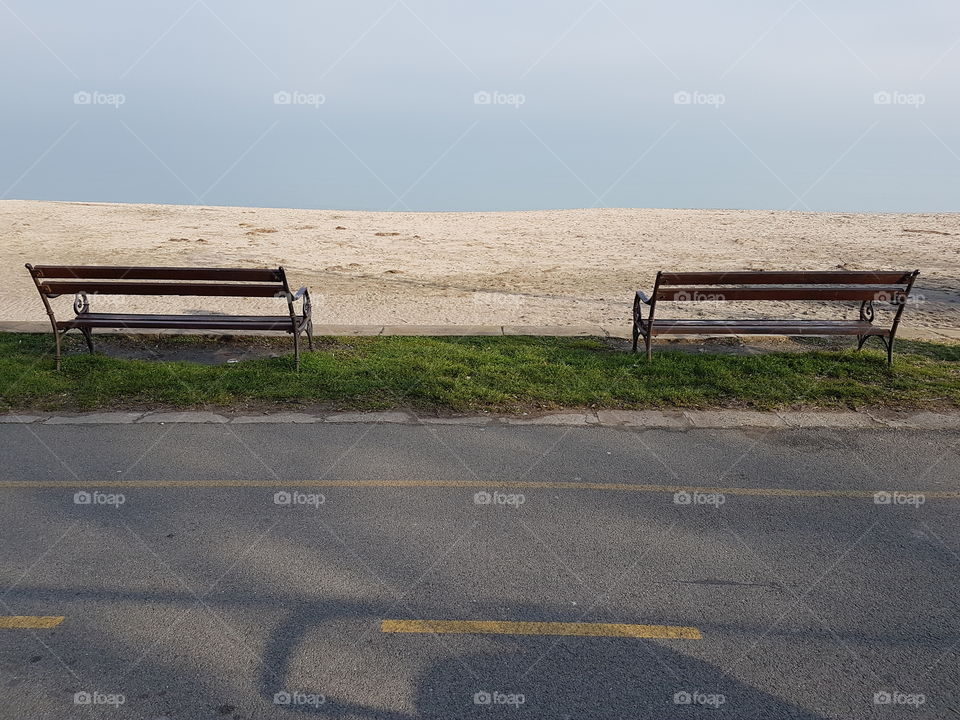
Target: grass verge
x=499, y=374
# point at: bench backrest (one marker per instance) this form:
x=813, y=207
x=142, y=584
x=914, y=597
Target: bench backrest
x=54, y=280
x=865, y=286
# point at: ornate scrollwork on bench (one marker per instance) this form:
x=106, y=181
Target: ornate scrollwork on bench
x=81, y=303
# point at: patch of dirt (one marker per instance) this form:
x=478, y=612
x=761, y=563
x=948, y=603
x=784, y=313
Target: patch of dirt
x=205, y=350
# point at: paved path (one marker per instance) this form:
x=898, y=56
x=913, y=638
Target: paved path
x=361, y=570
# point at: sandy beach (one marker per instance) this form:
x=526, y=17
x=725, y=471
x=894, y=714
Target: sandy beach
x=562, y=267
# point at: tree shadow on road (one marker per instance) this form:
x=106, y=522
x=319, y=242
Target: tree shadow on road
x=542, y=676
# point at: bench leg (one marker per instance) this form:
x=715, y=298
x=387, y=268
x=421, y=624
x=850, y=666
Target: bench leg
x=56, y=335
x=887, y=343
x=636, y=336
x=88, y=336
x=296, y=349
x=647, y=341
x=310, y=334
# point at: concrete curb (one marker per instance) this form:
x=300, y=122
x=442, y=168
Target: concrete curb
x=610, y=331
x=367, y=330
x=644, y=419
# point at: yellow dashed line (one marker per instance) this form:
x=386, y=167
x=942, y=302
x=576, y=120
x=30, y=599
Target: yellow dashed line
x=497, y=627
x=29, y=622
x=521, y=485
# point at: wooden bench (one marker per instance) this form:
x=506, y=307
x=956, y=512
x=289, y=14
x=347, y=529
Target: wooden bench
x=86, y=281
x=866, y=287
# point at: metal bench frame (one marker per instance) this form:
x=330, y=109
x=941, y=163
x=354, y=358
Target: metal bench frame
x=868, y=287
x=86, y=281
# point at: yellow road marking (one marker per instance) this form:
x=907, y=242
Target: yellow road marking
x=30, y=622
x=476, y=484
x=498, y=627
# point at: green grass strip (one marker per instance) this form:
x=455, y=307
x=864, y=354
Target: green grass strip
x=500, y=374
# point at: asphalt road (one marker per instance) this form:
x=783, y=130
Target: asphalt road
x=189, y=589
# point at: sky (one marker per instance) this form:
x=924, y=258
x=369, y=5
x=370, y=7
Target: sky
x=451, y=105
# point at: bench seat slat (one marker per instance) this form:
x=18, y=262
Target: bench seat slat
x=178, y=322
x=692, y=294
x=106, y=272
x=766, y=327
x=122, y=317
x=757, y=321
x=776, y=277
x=63, y=287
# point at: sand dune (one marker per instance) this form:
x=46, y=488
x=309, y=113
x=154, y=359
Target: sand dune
x=563, y=267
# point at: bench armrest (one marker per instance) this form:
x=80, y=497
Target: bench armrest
x=301, y=294
x=642, y=297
